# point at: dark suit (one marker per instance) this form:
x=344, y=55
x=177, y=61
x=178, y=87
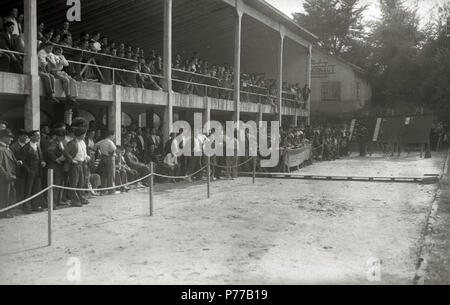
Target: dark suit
x=8, y=165
x=8, y=61
x=16, y=148
x=153, y=148
x=76, y=172
x=141, y=148
x=52, y=153
x=33, y=183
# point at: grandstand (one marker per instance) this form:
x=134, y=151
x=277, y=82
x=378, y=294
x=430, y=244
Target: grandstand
x=249, y=36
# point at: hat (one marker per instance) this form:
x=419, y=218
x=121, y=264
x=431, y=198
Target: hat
x=60, y=132
x=6, y=133
x=79, y=131
x=22, y=132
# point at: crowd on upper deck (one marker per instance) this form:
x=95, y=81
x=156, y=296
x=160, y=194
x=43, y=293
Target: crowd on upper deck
x=138, y=68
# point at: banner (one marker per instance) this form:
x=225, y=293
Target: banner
x=417, y=130
x=297, y=156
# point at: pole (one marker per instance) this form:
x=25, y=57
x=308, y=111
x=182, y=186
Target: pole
x=50, y=205
x=254, y=170
x=150, y=189
x=209, y=178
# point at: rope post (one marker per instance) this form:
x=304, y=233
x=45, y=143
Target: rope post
x=254, y=170
x=50, y=205
x=208, y=185
x=150, y=188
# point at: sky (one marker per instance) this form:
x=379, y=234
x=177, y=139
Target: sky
x=425, y=7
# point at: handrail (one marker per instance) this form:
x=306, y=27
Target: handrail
x=13, y=52
x=182, y=81
x=94, y=53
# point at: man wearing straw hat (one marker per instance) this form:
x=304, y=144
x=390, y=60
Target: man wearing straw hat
x=8, y=165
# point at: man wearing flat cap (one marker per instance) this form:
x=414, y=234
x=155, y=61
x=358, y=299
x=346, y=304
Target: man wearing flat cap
x=8, y=165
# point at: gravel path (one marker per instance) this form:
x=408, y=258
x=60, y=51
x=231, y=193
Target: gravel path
x=273, y=232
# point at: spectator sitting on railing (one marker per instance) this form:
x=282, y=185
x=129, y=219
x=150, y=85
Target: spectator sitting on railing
x=10, y=61
x=59, y=62
x=47, y=78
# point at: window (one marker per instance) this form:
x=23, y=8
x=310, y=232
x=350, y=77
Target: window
x=331, y=91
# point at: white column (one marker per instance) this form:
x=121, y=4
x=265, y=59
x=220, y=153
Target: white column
x=207, y=113
x=168, y=112
x=115, y=114
x=32, y=102
x=237, y=61
x=309, y=82
x=280, y=75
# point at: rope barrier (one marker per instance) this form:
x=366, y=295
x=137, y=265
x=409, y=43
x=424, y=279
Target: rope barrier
x=102, y=189
x=235, y=166
x=181, y=177
x=25, y=201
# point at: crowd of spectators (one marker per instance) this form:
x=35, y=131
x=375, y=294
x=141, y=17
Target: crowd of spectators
x=328, y=142
x=134, y=67
x=84, y=156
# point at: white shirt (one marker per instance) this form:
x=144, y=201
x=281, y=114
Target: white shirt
x=107, y=147
x=34, y=146
x=81, y=154
x=59, y=62
x=171, y=160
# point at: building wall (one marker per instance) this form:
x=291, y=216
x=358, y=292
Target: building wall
x=328, y=72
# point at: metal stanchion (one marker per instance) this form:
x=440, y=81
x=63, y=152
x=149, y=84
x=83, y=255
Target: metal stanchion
x=50, y=205
x=150, y=188
x=254, y=170
x=208, y=185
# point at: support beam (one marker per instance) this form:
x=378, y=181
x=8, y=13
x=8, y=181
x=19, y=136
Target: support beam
x=149, y=117
x=115, y=114
x=309, y=82
x=280, y=75
x=32, y=103
x=168, y=112
x=237, y=61
x=207, y=114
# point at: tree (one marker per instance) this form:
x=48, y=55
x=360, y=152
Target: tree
x=336, y=22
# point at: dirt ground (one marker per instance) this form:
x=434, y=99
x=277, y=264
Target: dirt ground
x=438, y=246
x=273, y=232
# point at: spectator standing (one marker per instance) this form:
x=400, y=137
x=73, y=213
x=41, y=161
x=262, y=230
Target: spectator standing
x=55, y=161
x=106, y=167
x=9, y=61
x=8, y=165
x=13, y=18
x=33, y=163
x=16, y=148
x=76, y=158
